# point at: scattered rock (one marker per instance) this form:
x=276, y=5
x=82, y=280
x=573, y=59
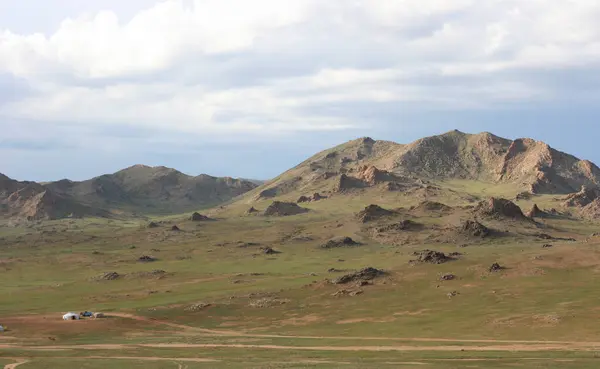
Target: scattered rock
x=524, y=196
x=303, y=199
x=365, y=274
x=317, y=197
x=334, y=270
x=475, y=229
x=339, y=242
x=153, y=225
x=269, y=251
x=497, y=207
x=547, y=246
x=345, y=160
x=278, y=208
x=109, y=276
x=432, y=257
x=197, y=307
x=373, y=212
x=548, y=237
x=154, y=274
x=447, y=277
x=268, y=302
x=400, y=226
x=146, y=259
x=495, y=268
x=197, y=217
x=452, y=294
x=350, y=293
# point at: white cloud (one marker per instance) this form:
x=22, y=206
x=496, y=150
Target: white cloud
x=271, y=66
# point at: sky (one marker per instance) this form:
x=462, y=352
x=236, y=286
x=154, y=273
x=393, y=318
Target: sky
x=250, y=88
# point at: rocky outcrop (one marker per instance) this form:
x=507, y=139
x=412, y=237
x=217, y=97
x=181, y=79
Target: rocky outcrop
x=475, y=229
x=499, y=208
x=536, y=212
x=339, y=242
x=197, y=217
x=281, y=209
x=582, y=198
x=373, y=212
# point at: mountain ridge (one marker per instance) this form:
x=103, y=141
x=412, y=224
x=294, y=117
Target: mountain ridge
x=529, y=165
x=139, y=188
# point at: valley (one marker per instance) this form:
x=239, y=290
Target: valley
x=456, y=249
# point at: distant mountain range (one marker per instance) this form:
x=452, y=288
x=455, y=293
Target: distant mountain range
x=136, y=190
x=525, y=164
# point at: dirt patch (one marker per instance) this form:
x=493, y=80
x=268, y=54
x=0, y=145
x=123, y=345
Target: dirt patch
x=302, y=321
x=281, y=209
x=366, y=320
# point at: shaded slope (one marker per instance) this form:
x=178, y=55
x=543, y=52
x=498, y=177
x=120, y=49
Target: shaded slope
x=153, y=190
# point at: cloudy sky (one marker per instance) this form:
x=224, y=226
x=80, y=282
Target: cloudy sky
x=251, y=87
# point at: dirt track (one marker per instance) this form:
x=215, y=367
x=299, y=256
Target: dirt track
x=444, y=345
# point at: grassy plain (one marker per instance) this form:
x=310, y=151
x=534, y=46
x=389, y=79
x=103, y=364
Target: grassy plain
x=279, y=311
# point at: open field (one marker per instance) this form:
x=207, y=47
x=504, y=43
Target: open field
x=213, y=298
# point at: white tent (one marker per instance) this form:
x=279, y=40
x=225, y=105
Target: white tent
x=71, y=316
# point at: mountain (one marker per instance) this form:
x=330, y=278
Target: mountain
x=524, y=163
x=138, y=189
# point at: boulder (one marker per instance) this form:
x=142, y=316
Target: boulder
x=495, y=268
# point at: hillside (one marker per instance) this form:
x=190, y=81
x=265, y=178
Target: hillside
x=366, y=164
x=138, y=189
